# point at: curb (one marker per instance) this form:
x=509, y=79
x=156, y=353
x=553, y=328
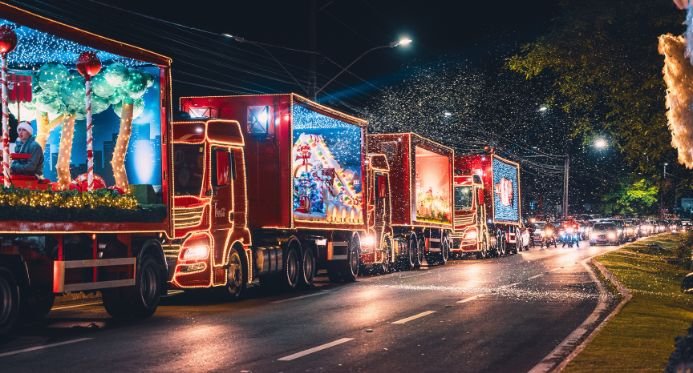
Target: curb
x=579, y=338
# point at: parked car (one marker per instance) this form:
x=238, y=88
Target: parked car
x=605, y=234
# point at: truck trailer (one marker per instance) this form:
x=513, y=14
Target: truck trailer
x=421, y=187
x=487, y=206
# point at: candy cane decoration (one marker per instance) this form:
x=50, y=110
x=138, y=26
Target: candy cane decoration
x=5, y=126
x=88, y=65
x=8, y=40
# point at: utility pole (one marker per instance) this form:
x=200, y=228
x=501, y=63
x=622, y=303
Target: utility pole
x=313, y=84
x=661, y=190
x=566, y=178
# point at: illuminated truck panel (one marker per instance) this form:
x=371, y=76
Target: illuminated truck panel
x=305, y=161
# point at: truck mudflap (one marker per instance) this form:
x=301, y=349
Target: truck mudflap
x=105, y=273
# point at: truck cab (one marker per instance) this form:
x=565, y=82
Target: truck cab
x=470, y=231
x=378, y=246
x=210, y=246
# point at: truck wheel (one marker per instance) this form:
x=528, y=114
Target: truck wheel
x=444, y=251
x=290, y=271
x=351, y=267
x=141, y=300
x=419, y=257
x=9, y=301
x=235, y=277
x=307, y=268
x=409, y=260
x=387, y=252
x=500, y=246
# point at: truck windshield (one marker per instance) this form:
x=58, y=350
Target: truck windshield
x=187, y=168
x=463, y=198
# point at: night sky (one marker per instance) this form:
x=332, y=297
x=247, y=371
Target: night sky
x=482, y=33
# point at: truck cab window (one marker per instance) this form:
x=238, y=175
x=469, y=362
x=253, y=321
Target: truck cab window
x=463, y=198
x=188, y=169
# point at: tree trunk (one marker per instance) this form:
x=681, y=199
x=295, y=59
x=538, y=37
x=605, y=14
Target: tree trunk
x=121, y=147
x=65, y=153
x=45, y=127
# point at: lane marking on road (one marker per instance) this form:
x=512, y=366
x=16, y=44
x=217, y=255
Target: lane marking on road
x=474, y=297
x=509, y=285
x=416, y=275
x=315, y=349
x=36, y=348
x=535, y=276
x=75, y=306
x=323, y=292
x=410, y=318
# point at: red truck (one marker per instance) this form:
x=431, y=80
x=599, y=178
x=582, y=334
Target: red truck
x=315, y=199
x=421, y=187
x=55, y=237
x=487, y=206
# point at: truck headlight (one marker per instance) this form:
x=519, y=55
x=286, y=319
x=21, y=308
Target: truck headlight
x=197, y=252
x=471, y=235
x=611, y=235
x=368, y=241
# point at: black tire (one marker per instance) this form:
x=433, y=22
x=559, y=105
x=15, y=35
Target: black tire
x=500, y=246
x=9, y=302
x=139, y=301
x=408, y=259
x=385, y=267
x=444, y=251
x=351, y=268
x=236, y=277
x=37, y=304
x=291, y=268
x=307, y=268
x=419, y=253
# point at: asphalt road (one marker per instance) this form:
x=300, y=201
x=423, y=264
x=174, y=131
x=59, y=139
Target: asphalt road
x=503, y=314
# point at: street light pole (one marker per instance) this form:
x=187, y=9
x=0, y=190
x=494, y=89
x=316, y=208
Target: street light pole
x=566, y=179
x=402, y=42
x=661, y=190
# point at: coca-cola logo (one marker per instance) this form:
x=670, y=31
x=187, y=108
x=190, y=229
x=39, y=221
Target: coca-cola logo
x=504, y=190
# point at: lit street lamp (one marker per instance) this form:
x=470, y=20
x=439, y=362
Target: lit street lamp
x=403, y=42
x=601, y=144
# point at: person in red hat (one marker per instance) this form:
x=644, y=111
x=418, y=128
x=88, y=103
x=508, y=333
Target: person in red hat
x=26, y=145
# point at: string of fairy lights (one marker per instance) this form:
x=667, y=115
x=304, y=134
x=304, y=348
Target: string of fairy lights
x=68, y=199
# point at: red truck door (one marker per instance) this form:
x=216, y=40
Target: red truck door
x=222, y=199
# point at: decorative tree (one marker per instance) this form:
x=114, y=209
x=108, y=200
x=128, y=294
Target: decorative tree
x=130, y=85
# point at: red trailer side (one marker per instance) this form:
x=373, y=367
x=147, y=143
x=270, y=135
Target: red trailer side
x=421, y=182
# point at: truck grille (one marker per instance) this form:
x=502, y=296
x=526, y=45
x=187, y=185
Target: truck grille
x=187, y=217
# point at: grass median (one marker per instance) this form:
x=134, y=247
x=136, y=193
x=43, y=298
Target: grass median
x=641, y=337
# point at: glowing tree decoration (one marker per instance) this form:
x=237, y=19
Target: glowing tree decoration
x=8, y=40
x=130, y=86
x=88, y=65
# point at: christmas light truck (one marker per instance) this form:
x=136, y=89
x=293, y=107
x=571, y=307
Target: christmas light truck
x=99, y=213
x=315, y=199
x=487, y=206
x=421, y=188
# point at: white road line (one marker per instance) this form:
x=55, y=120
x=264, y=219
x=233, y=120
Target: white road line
x=535, y=276
x=314, y=349
x=410, y=318
x=301, y=297
x=30, y=349
x=75, y=306
x=474, y=297
x=509, y=285
x=556, y=269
